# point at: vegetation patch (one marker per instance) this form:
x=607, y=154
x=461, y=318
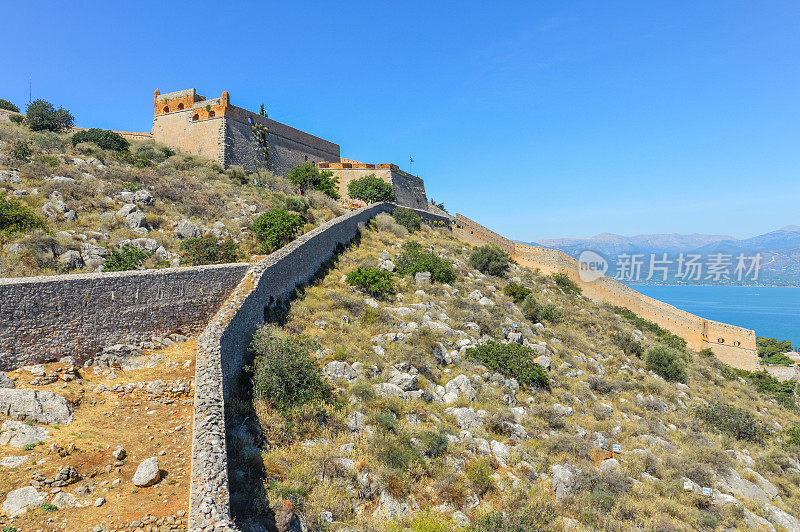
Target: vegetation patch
x=307, y=177
x=511, y=360
x=107, y=140
x=8, y=106
x=276, y=228
x=517, y=292
x=41, y=115
x=731, y=420
x=371, y=189
x=566, y=284
x=407, y=218
x=378, y=283
x=490, y=260
x=15, y=217
x=772, y=351
x=127, y=258
x=667, y=362
x=413, y=260
x=664, y=336
x=208, y=250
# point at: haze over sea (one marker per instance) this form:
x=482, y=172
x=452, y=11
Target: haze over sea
x=770, y=311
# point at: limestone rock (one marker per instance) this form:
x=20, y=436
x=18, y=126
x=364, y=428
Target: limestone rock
x=389, y=508
x=143, y=197
x=39, y=406
x=389, y=389
x=355, y=421
x=457, y=388
x=136, y=220
x=340, y=370
x=187, y=229
x=19, y=434
x=71, y=259
x=405, y=381
x=466, y=417
x=422, y=278
x=782, y=519
x=127, y=209
x=147, y=473
x=21, y=500
x=565, y=477
x=119, y=453
x=13, y=461
x=5, y=381
x=64, y=500
x=742, y=488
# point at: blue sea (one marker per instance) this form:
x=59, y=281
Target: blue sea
x=771, y=311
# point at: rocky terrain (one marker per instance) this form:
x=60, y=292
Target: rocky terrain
x=103, y=446
x=418, y=434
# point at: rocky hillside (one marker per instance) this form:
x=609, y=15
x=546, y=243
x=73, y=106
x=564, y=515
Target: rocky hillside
x=465, y=406
x=92, y=200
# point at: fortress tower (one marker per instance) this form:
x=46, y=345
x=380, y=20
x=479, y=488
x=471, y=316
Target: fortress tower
x=232, y=135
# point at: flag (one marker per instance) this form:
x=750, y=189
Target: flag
x=410, y=160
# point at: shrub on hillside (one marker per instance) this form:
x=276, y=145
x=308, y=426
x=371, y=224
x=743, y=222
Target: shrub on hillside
x=413, y=260
x=517, y=292
x=537, y=516
x=43, y=116
x=17, y=119
x=407, y=218
x=285, y=374
x=731, y=420
x=127, y=258
x=668, y=362
x=208, y=250
x=21, y=151
x=8, y=106
x=275, y=228
x=306, y=177
x=566, y=284
x=370, y=189
x=149, y=152
x=772, y=351
x=378, y=283
x=512, y=360
x=628, y=344
x=490, y=260
x=15, y=217
x=480, y=475
x=537, y=313
x=108, y=140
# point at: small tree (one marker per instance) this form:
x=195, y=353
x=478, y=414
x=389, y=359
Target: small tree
x=276, y=228
x=306, y=176
x=407, y=218
x=667, y=362
x=371, y=189
x=566, y=284
x=413, y=260
x=511, y=360
x=378, y=283
x=490, y=260
x=517, y=292
x=127, y=258
x=43, y=116
x=8, y=106
x=208, y=250
x=108, y=140
x=17, y=218
x=21, y=151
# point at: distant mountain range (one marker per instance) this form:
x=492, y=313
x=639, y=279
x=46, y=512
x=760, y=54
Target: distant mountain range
x=779, y=250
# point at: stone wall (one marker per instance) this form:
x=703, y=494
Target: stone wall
x=477, y=235
x=44, y=318
x=409, y=189
x=5, y=115
x=222, y=350
x=783, y=373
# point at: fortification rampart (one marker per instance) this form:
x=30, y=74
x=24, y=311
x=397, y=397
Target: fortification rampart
x=409, y=189
x=5, y=115
x=478, y=235
x=44, y=318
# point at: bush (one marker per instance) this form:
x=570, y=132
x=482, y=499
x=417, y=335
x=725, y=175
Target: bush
x=127, y=258
x=276, y=228
x=370, y=189
x=413, y=260
x=435, y=443
x=667, y=362
x=107, y=140
x=517, y=292
x=208, y=250
x=306, y=176
x=15, y=217
x=21, y=150
x=772, y=351
x=8, y=106
x=285, y=375
x=537, y=313
x=147, y=152
x=17, y=119
x=628, y=344
x=407, y=218
x=566, y=284
x=490, y=260
x=43, y=116
x=378, y=283
x=551, y=314
x=731, y=420
x=512, y=360
x=479, y=473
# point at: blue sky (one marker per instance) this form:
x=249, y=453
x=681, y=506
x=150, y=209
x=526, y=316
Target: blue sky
x=537, y=119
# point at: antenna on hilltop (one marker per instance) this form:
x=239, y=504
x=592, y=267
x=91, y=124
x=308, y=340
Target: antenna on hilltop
x=30, y=88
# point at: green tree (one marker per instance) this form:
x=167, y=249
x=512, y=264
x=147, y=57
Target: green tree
x=407, y=218
x=378, y=283
x=668, y=362
x=371, y=189
x=21, y=151
x=15, y=217
x=127, y=258
x=275, y=228
x=490, y=260
x=413, y=260
x=107, y=140
x=8, y=106
x=306, y=176
x=517, y=292
x=511, y=360
x=43, y=116
x=208, y=249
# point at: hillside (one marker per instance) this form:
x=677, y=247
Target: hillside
x=402, y=424
x=92, y=201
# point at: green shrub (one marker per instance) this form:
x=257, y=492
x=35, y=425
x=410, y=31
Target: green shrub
x=664, y=336
x=107, y=140
x=49, y=508
x=550, y=313
x=370, y=189
x=668, y=362
x=306, y=176
x=237, y=174
x=537, y=516
x=296, y=204
x=127, y=258
x=538, y=313
x=479, y=473
x=43, y=116
x=772, y=351
x=731, y=420
x=17, y=119
x=517, y=292
x=413, y=260
x=208, y=250
x=47, y=160
x=149, y=152
x=628, y=344
x=490, y=260
x=566, y=284
x=407, y=218
x=9, y=528
x=21, y=151
x=378, y=283
x=8, y=106
x=791, y=436
x=396, y=452
x=15, y=217
x=285, y=375
x=276, y=228
x=512, y=360
x=435, y=443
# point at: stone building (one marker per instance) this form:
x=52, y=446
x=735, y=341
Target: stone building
x=232, y=135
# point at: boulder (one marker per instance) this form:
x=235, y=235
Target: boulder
x=136, y=220
x=405, y=381
x=565, y=411
x=127, y=209
x=388, y=389
x=93, y=256
x=500, y=451
x=64, y=500
x=71, y=259
x=187, y=229
x=21, y=500
x=466, y=417
x=565, y=480
x=13, y=461
x=147, y=473
x=391, y=508
x=340, y=370
x=422, y=278
x=458, y=387
x=782, y=518
x=38, y=406
x=742, y=488
x=355, y=421
x=143, y=197
x=441, y=355
x=5, y=381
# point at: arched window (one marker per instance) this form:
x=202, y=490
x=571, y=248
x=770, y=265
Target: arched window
x=166, y=109
x=737, y=343
x=180, y=106
x=211, y=114
x=720, y=340
x=196, y=117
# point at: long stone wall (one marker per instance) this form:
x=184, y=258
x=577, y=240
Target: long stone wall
x=731, y=344
x=222, y=350
x=44, y=318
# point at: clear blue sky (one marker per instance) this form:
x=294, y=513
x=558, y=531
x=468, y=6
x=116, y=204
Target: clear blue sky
x=538, y=119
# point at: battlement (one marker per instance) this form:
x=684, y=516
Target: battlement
x=409, y=189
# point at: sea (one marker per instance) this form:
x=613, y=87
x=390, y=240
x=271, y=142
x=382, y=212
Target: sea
x=772, y=311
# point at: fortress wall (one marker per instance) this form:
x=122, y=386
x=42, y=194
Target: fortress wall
x=222, y=350
x=5, y=115
x=409, y=190
x=784, y=373
x=44, y=318
x=203, y=137
x=478, y=235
